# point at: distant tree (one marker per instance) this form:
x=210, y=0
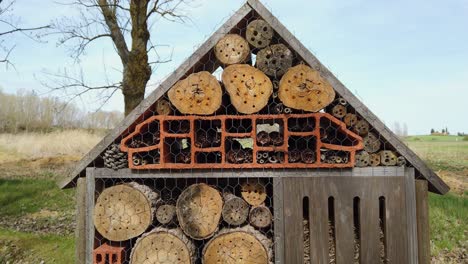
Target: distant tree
x=397, y=129
x=443, y=131
x=432, y=131
x=405, y=130
x=11, y=25
x=446, y=131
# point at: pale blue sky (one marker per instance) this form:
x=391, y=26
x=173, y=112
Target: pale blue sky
x=407, y=60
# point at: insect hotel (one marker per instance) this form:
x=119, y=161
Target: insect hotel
x=252, y=152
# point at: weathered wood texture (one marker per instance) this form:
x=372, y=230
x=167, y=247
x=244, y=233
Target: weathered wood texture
x=437, y=185
x=80, y=232
x=422, y=215
x=343, y=190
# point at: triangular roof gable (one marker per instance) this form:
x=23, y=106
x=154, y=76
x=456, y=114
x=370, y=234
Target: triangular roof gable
x=198, y=61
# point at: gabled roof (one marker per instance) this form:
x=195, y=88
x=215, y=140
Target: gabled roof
x=203, y=59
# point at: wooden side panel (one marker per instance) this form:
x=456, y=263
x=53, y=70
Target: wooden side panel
x=80, y=233
x=422, y=215
x=90, y=199
x=367, y=190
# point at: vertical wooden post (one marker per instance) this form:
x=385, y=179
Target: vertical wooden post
x=422, y=214
x=411, y=216
x=90, y=199
x=278, y=216
x=80, y=233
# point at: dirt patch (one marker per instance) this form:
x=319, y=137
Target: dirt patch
x=37, y=168
x=457, y=180
x=42, y=222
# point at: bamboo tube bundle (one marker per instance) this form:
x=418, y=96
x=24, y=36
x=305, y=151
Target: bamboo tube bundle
x=248, y=88
x=199, y=94
x=232, y=49
x=302, y=87
x=162, y=245
x=245, y=245
x=199, y=208
x=125, y=211
x=259, y=33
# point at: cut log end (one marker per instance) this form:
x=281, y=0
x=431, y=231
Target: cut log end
x=371, y=143
x=274, y=60
x=302, y=87
x=124, y=211
x=199, y=209
x=163, y=245
x=375, y=159
x=362, y=159
x=259, y=33
x=362, y=127
x=249, y=89
x=388, y=158
x=235, y=210
x=232, y=49
x=253, y=192
x=244, y=245
x=350, y=120
x=260, y=216
x=200, y=94
x=163, y=107
x=339, y=111
x=166, y=214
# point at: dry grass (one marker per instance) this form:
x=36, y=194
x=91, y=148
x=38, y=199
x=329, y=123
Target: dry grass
x=73, y=143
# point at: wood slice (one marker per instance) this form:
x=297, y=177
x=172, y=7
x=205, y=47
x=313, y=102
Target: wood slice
x=371, y=143
x=401, y=161
x=350, y=119
x=253, y=192
x=303, y=88
x=166, y=214
x=375, y=159
x=163, y=107
x=362, y=127
x=362, y=159
x=243, y=245
x=161, y=246
x=260, y=216
x=339, y=111
x=259, y=33
x=200, y=94
x=388, y=158
x=232, y=49
x=274, y=60
x=248, y=88
x=124, y=211
x=235, y=209
x=199, y=209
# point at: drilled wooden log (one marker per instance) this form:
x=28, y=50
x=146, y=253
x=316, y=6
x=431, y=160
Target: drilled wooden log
x=232, y=49
x=235, y=209
x=162, y=245
x=259, y=33
x=260, y=216
x=163, y=107
x=371, y=143
x=166, y=214
x=199, y=209
x=248, y=88
x=253, y=192
x=350, y=120
x=401, y=161
x=362, y=127
x=243, y=245
x=274, y=60
x=362, y=159
x=303, y=88
x=200, y=94
x=388, y=158
x=125, y=211
x=375, y=159
x=339, y=111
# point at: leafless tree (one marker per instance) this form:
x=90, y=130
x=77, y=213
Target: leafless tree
x=127, y=24
x=10, y=24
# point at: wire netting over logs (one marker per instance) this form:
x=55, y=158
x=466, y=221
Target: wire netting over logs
x=250, y=103
x=186, y=220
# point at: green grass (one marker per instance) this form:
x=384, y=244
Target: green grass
x=448, y=222
x=33, y=248
x=24, y=196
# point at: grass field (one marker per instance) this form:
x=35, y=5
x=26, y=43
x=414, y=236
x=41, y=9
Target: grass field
x=37, y=218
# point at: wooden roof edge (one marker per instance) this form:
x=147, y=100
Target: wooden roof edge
x=437, y=184
x=203, y=50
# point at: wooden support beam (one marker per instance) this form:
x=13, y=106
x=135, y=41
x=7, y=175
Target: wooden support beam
x=422, y=216
x=80, y=232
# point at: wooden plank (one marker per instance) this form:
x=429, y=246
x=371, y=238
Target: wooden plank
x=422, y=216
x=411, y=216
x=370, y=230
x=139, y=111
x=80, y=232
x=293, y=249
x=318, y=219
x=396, y=225
x=256, y=173
x=90, y=199
x=278, y=219
x=341, y=89
x=344, y=225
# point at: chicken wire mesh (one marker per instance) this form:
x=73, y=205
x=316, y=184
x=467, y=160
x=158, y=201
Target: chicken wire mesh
x=250, y=103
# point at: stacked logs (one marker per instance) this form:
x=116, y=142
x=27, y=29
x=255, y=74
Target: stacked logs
x=231, y=225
